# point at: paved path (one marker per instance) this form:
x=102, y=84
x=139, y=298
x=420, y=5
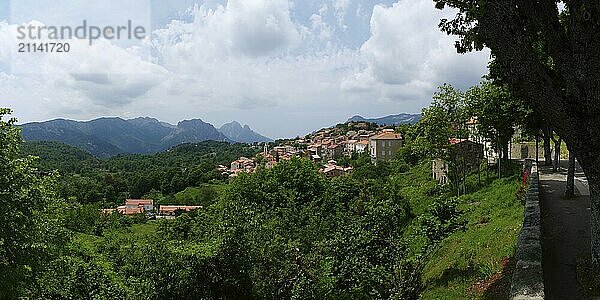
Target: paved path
x=565, y=233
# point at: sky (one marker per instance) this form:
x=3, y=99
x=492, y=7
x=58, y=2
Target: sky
x=285, y=68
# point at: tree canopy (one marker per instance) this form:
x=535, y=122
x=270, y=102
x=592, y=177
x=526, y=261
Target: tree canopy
x=30, y=222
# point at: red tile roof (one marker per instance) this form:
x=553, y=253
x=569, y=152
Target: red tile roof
x=130, y=210
x=387, y=136
x=136, y=202
x=454, y=141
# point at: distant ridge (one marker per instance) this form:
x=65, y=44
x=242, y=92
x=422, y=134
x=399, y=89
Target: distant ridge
x=105, y=137
x=398, y=119
x=235, y=132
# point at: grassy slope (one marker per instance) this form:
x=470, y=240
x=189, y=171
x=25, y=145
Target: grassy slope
x=418, y=187
x=494, y=217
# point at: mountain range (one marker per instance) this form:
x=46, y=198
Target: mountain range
x=236, y=132
x=105, y=137
x=398, y=119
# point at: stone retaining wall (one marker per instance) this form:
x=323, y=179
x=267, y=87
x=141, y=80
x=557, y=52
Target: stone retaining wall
x=528, y=276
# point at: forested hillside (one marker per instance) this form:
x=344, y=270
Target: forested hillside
x=387, y=231
x=108, y=182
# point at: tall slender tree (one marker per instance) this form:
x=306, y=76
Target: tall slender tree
x=557, y=143
x=570, y=187
x=547, y=138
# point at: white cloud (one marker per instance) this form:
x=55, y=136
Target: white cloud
x=407, y=55
x=259, y=27
x=256, y=61
x=341, y=8
x=204, y=52
x=319, y=26
x=250, y=27
x=88, y=80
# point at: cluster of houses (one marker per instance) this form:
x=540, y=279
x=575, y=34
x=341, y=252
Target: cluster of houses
x=269, y=157
x=146, y=206
x=324, y=147
x=382, y=144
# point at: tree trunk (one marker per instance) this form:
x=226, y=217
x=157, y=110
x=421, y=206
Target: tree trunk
x=594, y=184
x=505, y=159
x=590, y=163
x=465, y=183
x=557, y=144
x=499, y=154
x=479, y=174
x=570, y=188
x=595, y=222
x=537, y=150
x=547, y=150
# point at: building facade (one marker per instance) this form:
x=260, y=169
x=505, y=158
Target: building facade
x=385, y=146
x=466, y=156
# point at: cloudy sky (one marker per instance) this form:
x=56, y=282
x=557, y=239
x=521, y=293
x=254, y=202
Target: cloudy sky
x=283, y=67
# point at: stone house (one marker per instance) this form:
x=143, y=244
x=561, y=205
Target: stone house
x=171, y=210
x=133, y=207
x=241, y=164
x=466, y=155
x=356, y=146
x=144, y=205
x=384, y=146
x=331, y=169
x=333, y=150
x=350, y=146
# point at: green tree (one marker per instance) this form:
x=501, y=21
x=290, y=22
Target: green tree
x=550, y=58
x=30, y=229
x=498, y=114
x=445, y=118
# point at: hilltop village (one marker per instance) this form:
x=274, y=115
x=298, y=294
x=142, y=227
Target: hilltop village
x=381, y=143
x=324, y=147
